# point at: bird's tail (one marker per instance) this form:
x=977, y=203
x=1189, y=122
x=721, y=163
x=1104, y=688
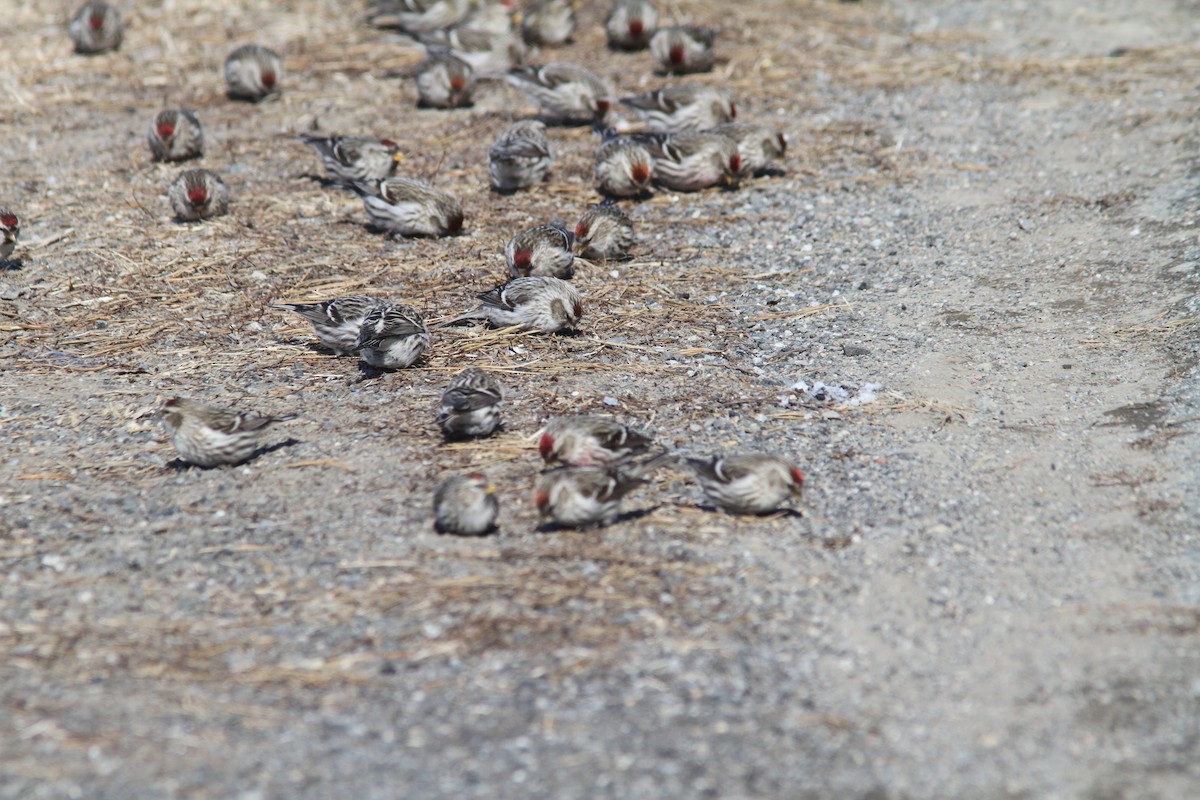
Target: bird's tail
x=466, y=316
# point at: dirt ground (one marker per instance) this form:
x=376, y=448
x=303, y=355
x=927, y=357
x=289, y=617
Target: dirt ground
x=984, y=247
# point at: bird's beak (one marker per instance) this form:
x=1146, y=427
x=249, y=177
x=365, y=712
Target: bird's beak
x=490, y=489
x=398, y=157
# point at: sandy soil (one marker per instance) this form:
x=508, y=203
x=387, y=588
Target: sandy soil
x=988, y=210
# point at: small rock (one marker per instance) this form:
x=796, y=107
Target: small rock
x=855, y=350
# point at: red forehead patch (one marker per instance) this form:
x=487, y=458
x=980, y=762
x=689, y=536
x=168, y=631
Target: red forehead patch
x=268, y=79
x=165, y=130
x=197, y=195
x=96, y=20
x=641, y=172
x=9, y=220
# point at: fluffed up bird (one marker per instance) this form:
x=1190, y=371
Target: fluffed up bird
x=624, y=167
x=748, y=484
x=520, y=157
x=630, y=24
x=470, y=406
x=688, y=162
x=544, y=250
x=252, y=73
x=176, y=135
x=418, y=16
x=490, y=16
x=352, y=159
x=682, y=107
x=208, y=436
x=96, y=28
x=589, y=440
x=10, y=230
x=337, y=322
x=465, y=505
x=549, y=22
x=684, y=48
x=564, y=92
x=604, y=232
x=489, y=54
x=392, y=337
x=406, y=207
x=198, y=194
x=584, y=497
x=758, y=145
x=445, y=81
x=545, y=304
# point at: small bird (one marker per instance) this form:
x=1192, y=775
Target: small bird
x=758, y=145
x=520, y=157
x=631, y=24
x=392, y=337
x=682, y=107
x=544, y=250
x=418, y=16
x=471, y=405
x=549, y=23
x=540, y=303
x=748, y=484
x=584, y=497
x=490, y=16
x=208, y=436
x=688, y=162
x=198, y=194
x=604, y=232
x=684, y=48
x=350, y=159
x=176, y=135
x=564, y=92
x=252, y=73
x=624, y=167
x=489, y=54
x=406, y=207
x=590, y=440
x=10, y=229
x=445, y=81
x=465, y=505
x=338, y=321
x=96, y=28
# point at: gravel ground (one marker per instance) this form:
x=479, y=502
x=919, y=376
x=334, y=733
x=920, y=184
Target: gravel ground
x=968, y=308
